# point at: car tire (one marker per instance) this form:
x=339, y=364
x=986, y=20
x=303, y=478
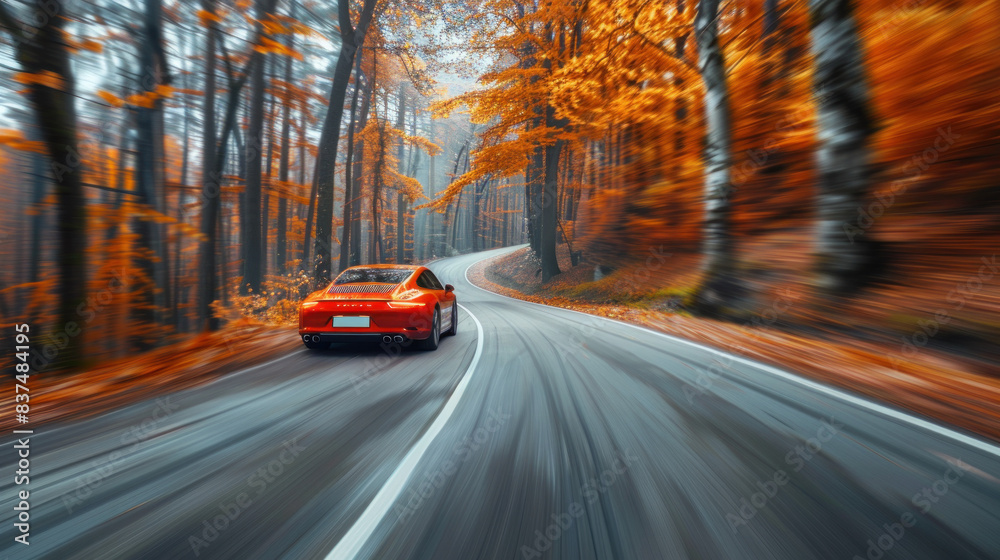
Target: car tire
x=431, y=342
x=454, y=321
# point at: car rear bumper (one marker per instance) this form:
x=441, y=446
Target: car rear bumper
x=355, y=336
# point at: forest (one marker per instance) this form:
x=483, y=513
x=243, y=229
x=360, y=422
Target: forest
x=169, y=166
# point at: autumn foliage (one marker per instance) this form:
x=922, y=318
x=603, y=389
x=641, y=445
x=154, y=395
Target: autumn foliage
x=584, y=126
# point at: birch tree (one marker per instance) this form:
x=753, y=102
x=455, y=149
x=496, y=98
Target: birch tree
x=717, y=237
x=843, y=160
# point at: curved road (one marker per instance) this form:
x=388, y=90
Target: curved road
x=536, y=432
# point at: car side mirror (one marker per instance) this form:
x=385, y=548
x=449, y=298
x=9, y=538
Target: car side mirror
x=448, y=288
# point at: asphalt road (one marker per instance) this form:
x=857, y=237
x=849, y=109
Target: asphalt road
x=534, y=433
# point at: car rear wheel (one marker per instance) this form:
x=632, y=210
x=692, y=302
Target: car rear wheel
x=453, y=330
x=431, y=342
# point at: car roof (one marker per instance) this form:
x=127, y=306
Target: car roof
x=397, y=266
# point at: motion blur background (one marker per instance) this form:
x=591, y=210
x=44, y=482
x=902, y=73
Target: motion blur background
x=168, y=166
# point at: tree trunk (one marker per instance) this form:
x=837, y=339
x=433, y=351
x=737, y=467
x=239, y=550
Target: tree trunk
x=211, y=185
x=268, y=184
x=351, y=39
x=400, y=199
x=717, y=241
x=533, y=194
x=305, y=265
x=213, y=163
x=376, y=223
x=845, y=126
x=549, y=194
x=549, y=207
x=45, y=51
x=350, y=242
x=149, y=173
x=252, y=245
x=177, y=319
x=280, y=255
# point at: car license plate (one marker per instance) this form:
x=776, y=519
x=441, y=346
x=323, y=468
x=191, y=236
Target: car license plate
x=352, y=322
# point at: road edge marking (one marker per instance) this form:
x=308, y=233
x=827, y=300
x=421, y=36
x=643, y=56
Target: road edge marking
x=357, y=536
x=980, y=444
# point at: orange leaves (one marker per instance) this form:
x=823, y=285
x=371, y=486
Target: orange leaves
x=430, y=148
x=87, y=45
x=267, y=45
x=146, y=100
x=164, y=91
x=45, y=78
x=206, y=18
x=289, y=190
x=14, y=140
x=110, y=98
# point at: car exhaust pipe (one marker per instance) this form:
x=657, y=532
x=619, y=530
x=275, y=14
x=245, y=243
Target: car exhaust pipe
x=398, y=339
x=315, y=338
x=387, y=339
x=305, y=338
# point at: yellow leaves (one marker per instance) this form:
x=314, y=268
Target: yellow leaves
x=44, y=78
x=15, y=140
x=444, y=108
x=430, y=148
x=267, y=45
x=411, y=188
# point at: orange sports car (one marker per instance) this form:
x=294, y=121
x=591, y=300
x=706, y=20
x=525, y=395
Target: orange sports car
x=387, y=303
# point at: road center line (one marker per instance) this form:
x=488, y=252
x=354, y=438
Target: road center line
x=895, y=414
x=358, y=535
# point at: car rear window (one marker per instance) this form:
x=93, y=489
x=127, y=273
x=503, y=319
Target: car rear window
x=379, y=275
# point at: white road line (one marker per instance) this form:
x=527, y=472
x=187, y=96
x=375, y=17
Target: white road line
x=979, y=444
x=358, y=535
